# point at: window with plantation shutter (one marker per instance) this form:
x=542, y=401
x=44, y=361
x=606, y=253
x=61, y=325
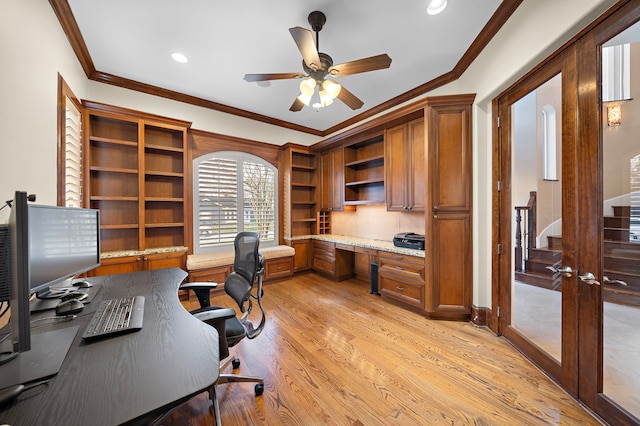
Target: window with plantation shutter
x=73, y=156
x=233, y=192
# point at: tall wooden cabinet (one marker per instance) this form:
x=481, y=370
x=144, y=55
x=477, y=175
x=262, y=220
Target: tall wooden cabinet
x=405, y=171
x=332, y=179
x=448, y=207
x=134, y=173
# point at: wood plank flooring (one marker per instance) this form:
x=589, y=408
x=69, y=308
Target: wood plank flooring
x=333, y=354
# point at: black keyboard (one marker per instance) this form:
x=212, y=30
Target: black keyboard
x=116, y=316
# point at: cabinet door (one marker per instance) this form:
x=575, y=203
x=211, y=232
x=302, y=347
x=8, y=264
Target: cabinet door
x=337, y=180
x=395, y=167
x=118, y=265
x=325, y=180
x=449, y=223
x=302, y=258
x=165, y=260
x=416, y=168
x=404, y=159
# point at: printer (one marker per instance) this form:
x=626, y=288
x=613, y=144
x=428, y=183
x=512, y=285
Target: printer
x=409, y=240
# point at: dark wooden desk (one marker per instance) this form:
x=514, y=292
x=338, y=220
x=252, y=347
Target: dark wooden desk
x=130, y=378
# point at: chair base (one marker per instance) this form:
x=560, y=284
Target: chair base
x=225, y=378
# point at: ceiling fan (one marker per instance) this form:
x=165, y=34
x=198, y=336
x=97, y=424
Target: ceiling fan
x=317, y=89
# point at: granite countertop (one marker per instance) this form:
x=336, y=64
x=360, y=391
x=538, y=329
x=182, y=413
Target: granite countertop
x=127, y=253
x=361, y=242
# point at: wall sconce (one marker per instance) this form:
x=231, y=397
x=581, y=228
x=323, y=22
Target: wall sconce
x=614, y=115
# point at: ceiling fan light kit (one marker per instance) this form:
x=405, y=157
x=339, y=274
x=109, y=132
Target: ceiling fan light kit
x=316, y=89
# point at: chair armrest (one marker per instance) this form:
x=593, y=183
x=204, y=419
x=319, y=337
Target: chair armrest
x=193, y=286
x=214, y=315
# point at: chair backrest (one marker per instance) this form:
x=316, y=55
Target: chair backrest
x=247, y=266
x=247, y=262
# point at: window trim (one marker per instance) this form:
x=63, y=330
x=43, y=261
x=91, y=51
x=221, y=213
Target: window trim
x=64, y=93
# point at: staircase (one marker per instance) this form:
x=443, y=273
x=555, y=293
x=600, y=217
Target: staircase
x=621, y=262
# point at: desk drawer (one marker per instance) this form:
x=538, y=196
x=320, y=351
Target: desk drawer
x=402, y=278
x=324, y=250
x=405, y=292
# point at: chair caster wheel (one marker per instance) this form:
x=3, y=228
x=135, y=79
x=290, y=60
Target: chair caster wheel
x=259, y=389
x=235, y=363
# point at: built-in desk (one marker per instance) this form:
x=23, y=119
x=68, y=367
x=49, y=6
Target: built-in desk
x=343, y=242
x=127, y=379
x=401, y=271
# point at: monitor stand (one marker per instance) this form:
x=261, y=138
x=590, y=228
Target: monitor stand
x=48, y=351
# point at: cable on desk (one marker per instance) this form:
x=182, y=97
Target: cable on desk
x=68, y=317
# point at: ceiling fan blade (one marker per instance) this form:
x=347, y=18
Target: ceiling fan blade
x=277, y=76
x=372, y=63
x=351, y=100
x=297, y=105
x=305, y=40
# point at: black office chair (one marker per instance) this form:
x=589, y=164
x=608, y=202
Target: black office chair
x=247, y=269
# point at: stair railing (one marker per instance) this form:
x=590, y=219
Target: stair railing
x=525, y=234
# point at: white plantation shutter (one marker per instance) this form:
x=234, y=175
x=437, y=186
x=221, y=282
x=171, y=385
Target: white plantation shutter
x=233, y=192
x=260, y=201
x=217, y=202
x=73, y=156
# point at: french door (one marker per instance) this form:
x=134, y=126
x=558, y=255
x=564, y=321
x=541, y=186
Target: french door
x=567, y=169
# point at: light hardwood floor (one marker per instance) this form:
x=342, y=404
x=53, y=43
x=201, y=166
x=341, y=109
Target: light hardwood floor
x=333, y=354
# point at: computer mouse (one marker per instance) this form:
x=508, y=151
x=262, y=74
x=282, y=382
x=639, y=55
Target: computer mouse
x=82, y=284
x=69, y=307
x=78, y=295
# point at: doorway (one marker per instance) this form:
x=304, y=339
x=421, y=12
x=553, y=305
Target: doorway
x=567, y=275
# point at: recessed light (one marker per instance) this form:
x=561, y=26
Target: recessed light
x=179, y=57
x=436, y=6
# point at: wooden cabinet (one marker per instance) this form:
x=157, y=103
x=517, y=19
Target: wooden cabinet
x=302, y=258
x=332, y=197
x=405, y=171
x=125, y=264
x=212, y=275
x=300, y=181
x=364, y=171
x=278, y=268
x=134, y=173
x=327, y=260
x=402, y=277
x=448, y=223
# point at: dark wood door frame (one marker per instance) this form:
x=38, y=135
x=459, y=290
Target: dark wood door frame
x=564, y=64
x=590, y=217
x=581, y=370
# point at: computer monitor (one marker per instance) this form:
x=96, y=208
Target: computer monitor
x=63, y=242
x=47, y=245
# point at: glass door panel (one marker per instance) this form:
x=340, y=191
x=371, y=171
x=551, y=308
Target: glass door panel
x=621, y=219
x=536, y=203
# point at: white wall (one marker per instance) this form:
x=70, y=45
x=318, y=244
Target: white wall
x=34, y=49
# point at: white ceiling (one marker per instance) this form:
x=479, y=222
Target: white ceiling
x=224, y=40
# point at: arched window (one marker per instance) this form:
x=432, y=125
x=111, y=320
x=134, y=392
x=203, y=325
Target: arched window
x=233, y=192
x=549, y=158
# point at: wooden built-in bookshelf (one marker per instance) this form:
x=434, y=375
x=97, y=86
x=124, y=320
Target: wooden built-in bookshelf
x=135, y=176
x=364, y=171
x=301, y=177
